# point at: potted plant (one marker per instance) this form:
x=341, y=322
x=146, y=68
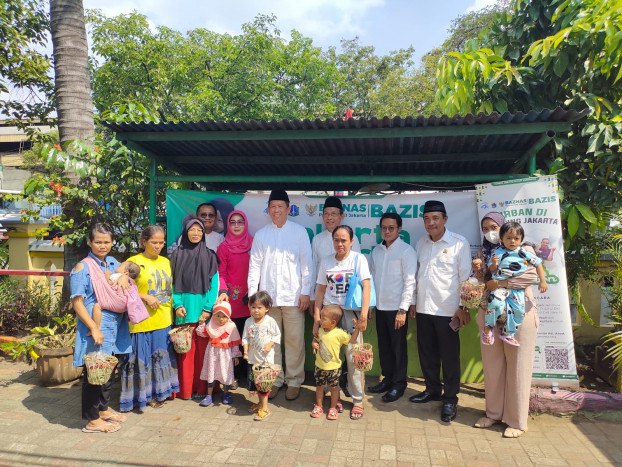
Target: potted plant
x=50, y=345
x=608, y=358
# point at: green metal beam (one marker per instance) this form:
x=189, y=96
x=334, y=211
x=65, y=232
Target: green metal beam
x=344, y=159
x=153, y=171
x=346, y=133
x=529, y=157
x=219, y=179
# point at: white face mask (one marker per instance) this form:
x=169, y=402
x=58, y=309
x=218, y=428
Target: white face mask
x=492, y=236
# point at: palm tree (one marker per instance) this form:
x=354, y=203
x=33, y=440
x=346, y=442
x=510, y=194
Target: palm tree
x=72, y=93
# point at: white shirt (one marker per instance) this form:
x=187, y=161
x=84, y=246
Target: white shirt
x=256, y=336
x=321, y=246
x=281, y=263
x=335, y=275
x=213, y=240
x=394, y=270
x=442, y=266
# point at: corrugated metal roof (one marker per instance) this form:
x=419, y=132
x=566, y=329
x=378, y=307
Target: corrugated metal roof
x=343, y=155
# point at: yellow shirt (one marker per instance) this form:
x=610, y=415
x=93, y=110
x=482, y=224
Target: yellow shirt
x=155, y=279
x=327, y=358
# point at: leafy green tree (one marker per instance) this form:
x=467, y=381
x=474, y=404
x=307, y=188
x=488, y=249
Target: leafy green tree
x=206, y=75
x=25, y=86
x=542, y=54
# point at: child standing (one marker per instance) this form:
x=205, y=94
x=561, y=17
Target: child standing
x=222, y=353
x=261, y=333
x=327, y=362
x=509, y=260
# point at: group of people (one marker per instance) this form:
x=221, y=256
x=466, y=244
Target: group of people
x=239, y=291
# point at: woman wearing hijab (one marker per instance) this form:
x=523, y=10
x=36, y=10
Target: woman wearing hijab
x=195, y=289
x=507, y=369
x=234, y=257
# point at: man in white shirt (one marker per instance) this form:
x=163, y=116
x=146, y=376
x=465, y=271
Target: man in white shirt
x=444, y=261
x=281, y=264
x=322, y=243
x=393, y=265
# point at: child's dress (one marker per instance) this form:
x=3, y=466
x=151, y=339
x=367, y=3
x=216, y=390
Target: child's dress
x=512, y=263
x=223, y=347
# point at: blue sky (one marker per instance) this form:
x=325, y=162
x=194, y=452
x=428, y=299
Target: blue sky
x=385, y=24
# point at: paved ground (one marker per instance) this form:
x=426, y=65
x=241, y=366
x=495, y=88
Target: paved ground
x=41, y=426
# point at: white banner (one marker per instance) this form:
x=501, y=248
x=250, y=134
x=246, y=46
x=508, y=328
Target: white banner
x=534, y=204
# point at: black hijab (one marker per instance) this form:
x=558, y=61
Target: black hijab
x=193, y=264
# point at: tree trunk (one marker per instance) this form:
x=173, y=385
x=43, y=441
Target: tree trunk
x=74, y=104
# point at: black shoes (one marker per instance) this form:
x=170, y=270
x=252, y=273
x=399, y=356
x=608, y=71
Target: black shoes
x=449, y=411
x=393, y=395
x=424, y=397
x=382, y=386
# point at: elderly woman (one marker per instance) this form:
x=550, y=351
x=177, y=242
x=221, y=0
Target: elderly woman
x=507, y=368
x=195, y=289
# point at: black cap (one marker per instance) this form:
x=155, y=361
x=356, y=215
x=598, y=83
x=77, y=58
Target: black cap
x=333, y=202
x=434, y=206
x=278, y=195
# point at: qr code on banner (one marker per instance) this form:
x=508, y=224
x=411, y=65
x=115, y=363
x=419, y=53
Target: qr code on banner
x=556, y=359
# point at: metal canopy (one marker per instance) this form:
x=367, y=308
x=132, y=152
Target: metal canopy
x=407, y=153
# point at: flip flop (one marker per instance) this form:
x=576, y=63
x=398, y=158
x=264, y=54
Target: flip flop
x=488, y=339
x=513, y=432
x=114, y=417
x=99, y=428
x=357, y=412
x=509, y=340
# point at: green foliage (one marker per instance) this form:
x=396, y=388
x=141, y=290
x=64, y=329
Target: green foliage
x=23, y=306
x=542, y=54
x=205, y=75
x=24, y=71
x=613, y=340
x=112, y=186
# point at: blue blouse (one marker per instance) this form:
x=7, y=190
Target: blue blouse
x=114, y=326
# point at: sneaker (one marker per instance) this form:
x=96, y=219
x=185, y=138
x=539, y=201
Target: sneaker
x=226, y=398
x=292, y=393
x=206, y=402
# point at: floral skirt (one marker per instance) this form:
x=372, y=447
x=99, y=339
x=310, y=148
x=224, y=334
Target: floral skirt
x=149, y=373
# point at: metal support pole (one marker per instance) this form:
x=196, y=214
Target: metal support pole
x=153, y=184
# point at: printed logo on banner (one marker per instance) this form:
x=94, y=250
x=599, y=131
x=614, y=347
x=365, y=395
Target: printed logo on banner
x=311, y=209
x=294, y=211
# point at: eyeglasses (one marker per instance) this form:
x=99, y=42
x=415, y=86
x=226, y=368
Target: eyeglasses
x=203, y=215
x=390, y=228
x=331, y=214
x=195, y=230
x=236, y=222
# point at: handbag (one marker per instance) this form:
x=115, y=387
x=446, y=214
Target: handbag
x=354, y=297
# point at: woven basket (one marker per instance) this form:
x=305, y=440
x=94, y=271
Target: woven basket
x=182, y=338
x=264, y=375
x=471, y=294
x=363, y=356
x=99, y=367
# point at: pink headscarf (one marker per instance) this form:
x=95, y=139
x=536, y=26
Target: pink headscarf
x=238, y=243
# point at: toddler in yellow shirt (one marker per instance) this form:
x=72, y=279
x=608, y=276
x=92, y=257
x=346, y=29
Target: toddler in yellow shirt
x=327, y=359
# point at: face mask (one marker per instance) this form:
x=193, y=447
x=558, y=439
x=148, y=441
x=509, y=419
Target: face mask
x=492, y=236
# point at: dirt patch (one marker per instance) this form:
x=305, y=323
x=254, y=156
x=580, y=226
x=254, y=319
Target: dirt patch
x=588, y=379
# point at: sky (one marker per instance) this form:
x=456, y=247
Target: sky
x=385, y=24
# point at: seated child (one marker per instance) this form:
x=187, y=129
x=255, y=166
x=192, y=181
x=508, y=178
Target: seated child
x=132, y=270
x=327, y=362
x=507, y=306
x=222, y=353
x=260, y=335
